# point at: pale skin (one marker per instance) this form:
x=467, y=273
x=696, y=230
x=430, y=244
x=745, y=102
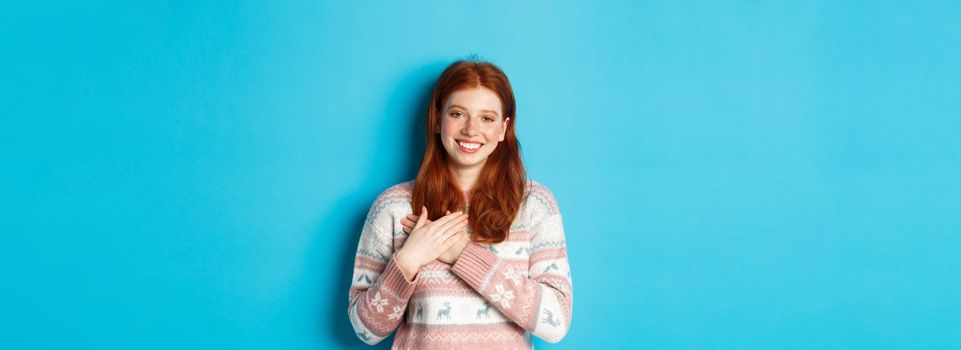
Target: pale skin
x=470, y=116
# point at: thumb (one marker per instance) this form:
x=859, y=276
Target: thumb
x=422, y=218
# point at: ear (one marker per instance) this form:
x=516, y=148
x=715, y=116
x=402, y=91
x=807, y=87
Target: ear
x=439, y=124
x=500, y=137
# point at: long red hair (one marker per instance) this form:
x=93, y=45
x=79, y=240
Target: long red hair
x=497, y=194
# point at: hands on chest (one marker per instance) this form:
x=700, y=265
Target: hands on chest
x=443, y=240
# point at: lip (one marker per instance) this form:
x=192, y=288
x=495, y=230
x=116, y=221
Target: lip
x=465, y=150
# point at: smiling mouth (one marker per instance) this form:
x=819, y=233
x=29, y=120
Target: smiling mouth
x=468, y=147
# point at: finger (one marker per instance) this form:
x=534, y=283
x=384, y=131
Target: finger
x=407, y=229
x=414, y=218
x=452, y=240
x=422, y=218
x=450, y=223
x=446, y=218
x=408, y=222
x=452, y=227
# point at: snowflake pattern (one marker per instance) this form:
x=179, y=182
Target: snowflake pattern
x=378, y=302
x=513, y=275
x=502, y=295
x=396, y=314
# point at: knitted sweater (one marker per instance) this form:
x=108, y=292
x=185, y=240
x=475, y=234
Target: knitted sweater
x=492, y=297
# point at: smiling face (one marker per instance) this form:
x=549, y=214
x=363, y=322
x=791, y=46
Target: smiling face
x=471, y=125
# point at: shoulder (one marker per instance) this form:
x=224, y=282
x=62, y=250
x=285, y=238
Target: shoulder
x=397, y=192
x=395, y=198
x=539, y=196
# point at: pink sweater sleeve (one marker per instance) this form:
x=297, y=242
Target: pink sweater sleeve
x=379, y=292
x=538, y=299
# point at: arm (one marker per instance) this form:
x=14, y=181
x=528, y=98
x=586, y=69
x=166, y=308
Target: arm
x=379, y=292
x=538, y=299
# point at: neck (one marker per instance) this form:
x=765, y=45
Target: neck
x=466, y=177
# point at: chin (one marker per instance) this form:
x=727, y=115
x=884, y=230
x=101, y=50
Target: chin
x=466, y=164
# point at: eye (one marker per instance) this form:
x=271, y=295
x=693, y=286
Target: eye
x=488, y=118
x=456, y=114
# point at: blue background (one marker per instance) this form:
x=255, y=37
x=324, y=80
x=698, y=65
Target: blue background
x=770, y=175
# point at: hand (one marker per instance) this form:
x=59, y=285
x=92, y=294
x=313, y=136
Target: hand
x=428, y=241
x=411, y=220
x=451, y=254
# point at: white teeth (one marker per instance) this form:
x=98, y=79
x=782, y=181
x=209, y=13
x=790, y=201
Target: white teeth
x=469, y=145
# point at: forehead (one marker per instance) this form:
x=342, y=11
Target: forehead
x=479, y=98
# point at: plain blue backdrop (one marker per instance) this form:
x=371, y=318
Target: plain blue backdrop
x=739, y=175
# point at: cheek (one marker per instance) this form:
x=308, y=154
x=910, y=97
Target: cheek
x=447, y=131
x=493, y=134
x=446, y=126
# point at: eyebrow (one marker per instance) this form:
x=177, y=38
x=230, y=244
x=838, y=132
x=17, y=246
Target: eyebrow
x=462, y=107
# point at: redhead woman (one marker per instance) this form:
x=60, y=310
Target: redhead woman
x=471, y=254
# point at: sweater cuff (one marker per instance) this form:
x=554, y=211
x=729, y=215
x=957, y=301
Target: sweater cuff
x=393, y=279
x=475, y=265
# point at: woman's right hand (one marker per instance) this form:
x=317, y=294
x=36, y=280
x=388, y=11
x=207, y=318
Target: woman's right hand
x=428, y=240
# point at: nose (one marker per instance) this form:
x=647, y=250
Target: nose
x=468, y=128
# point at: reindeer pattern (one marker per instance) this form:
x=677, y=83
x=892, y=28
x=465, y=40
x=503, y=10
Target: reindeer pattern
x=549, y=319
x=486, y=311
x=445, y=312
x=454, y=311
x=552, y=267
x=363, y=335
x=419, y=315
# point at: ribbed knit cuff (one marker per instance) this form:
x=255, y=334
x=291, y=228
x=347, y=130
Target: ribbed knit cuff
x=394, y=280
x=475, y=265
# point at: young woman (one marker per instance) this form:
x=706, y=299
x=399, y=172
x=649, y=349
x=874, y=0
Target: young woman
x=492, y=269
